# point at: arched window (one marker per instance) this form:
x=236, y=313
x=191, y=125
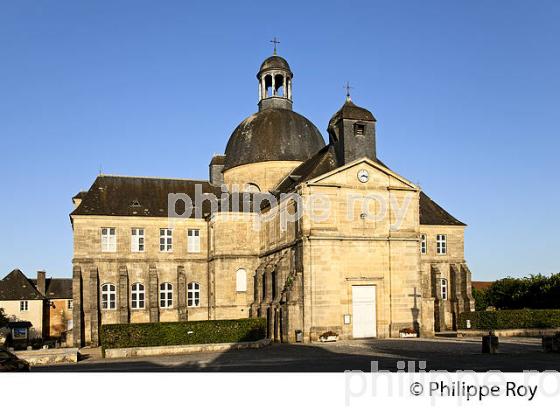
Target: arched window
x=251, y=187
x=279, y=85
x=108, y=296
x=193, y=294
x=444, y=288
x=268, y=86
x=166, y=295
x=241, y=280
x=137, y=296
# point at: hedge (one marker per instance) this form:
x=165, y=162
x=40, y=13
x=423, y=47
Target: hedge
x=511, y=319
x=182, y=333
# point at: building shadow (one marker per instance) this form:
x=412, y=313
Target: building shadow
x=361, y=355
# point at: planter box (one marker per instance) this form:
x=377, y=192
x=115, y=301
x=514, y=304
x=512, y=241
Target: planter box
x=329, y=339
x=126, y=352
x=408, y=335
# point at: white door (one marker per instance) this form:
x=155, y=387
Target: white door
x=363, y=311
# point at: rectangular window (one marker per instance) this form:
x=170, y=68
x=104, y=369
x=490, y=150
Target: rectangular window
x=137, y=240
x=70, y=304
x=108, y=240
x=423, y=244
x=166, y=295
x=444, y=290
x=23, y=306
x=166, y=240
x=441, y=244
x=359, y=129
x=193, y=240
x=138, y=296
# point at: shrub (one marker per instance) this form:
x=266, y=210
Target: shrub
x=511, y=319
x=532, y=292
x=182, y=333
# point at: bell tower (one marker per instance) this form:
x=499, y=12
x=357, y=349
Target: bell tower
x=352, y=132
x=275, y=82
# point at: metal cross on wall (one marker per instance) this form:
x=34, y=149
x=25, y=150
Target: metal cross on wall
x=276, y=42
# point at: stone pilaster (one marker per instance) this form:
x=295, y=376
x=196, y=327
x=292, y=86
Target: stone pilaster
x=469, y=300
x=182, y=294
x=153, y=293
x=124, y=313
x=77, y=330
x=94, y=306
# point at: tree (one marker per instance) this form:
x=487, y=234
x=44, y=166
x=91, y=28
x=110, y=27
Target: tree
x=532, y=292
x=480, y=299
x=3, y=318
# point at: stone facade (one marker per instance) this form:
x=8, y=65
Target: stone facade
x=301, y=274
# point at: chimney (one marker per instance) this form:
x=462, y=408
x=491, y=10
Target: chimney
x=217, y=170
x=41, y=281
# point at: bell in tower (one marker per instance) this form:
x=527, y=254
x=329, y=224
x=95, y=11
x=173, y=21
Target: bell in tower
x=275, y=83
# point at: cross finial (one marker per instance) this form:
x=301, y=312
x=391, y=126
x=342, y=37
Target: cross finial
x=348, y=88
x=276, y=42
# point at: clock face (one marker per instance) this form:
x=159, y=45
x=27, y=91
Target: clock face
x=363, y=175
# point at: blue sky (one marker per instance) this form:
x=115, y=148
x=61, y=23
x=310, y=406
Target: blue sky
x=466, y=94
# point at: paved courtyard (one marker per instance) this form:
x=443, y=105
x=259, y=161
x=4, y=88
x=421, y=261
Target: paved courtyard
x=516, y=354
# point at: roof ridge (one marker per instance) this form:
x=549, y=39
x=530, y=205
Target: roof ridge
x=151, y=177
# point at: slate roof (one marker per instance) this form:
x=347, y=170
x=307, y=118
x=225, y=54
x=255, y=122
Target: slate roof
x=433, y=214
x=326, y=160
x=275, y=62
x=218, y=160
x=16, y=286
x=141, y=196
x=57, y=288
x=350, y=111
x=138, y=196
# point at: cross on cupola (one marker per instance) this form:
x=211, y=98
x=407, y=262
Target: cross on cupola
x=275, y=81
x=276, y=42
x=348, y=88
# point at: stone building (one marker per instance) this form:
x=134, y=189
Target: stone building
x=314, y=236
x=44, y=302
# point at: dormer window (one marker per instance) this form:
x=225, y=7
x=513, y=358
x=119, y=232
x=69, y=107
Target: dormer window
x=359, y=129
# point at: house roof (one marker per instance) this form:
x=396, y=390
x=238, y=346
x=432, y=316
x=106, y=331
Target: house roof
x=16, y=286
x=142, y=196
x=57, y=288
x=138, y=196
x=479, y=285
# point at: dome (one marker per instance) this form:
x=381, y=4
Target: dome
x=274, y=134
x=275, y=63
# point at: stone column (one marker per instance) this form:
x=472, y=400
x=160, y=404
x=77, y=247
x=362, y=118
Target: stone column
x=469, y=300
x=94, y=306
x=258, y=285
x=77, y=330
x=182, y=294
x=267, y=297
x=124, y=313
x=153, y=293
x=273, y=84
